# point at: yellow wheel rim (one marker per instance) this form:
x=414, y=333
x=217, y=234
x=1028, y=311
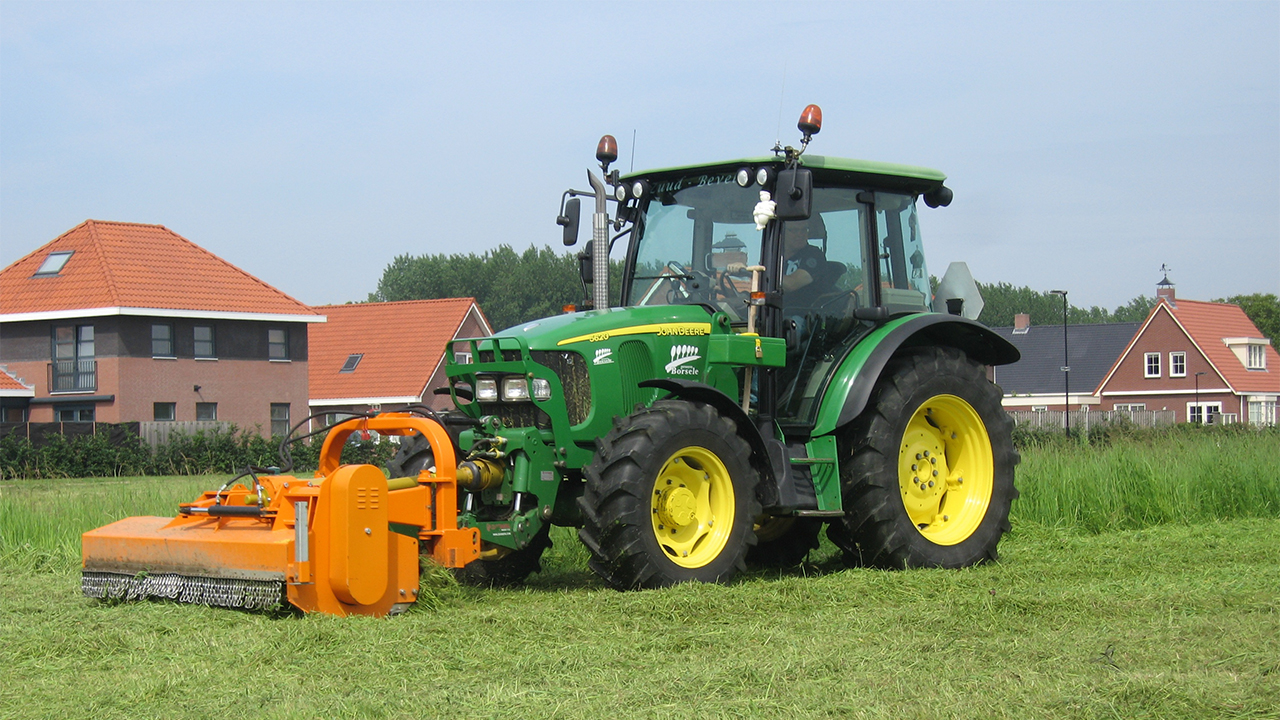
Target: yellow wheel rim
x=692, y=507
x=945, y=470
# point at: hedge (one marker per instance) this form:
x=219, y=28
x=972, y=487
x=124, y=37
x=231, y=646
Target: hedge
x=99, y=454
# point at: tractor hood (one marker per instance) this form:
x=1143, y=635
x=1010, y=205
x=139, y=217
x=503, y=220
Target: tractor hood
x=593, y=326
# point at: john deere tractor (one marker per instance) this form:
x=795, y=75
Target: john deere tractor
x=778, y=362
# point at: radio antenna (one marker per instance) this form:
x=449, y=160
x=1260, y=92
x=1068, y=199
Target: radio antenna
x=633, y=150
x=777, y=142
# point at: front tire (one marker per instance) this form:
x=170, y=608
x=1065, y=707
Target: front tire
x=930, y=482
x=670, y=498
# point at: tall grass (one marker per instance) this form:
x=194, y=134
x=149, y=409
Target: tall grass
x=1178, y=477
x=41, y=521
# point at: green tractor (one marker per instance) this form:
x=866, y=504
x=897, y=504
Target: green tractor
x=779, y=362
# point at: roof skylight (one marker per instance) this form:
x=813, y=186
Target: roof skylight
x=54, y=263
x=352, y=361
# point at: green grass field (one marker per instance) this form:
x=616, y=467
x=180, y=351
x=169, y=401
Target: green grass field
x=1139, y=613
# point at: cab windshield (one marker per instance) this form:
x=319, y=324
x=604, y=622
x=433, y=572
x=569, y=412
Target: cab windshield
x=697, y=236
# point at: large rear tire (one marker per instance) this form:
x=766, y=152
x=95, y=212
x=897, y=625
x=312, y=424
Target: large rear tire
x=670, y=498
x=498, y=566
x=930, y=481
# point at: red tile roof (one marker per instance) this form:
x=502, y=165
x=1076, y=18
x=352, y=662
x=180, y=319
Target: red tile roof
x=1209, y=324
x=11, y=385
x=402, y=342
x=129, y=265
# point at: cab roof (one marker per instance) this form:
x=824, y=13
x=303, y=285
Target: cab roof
x=918, y=179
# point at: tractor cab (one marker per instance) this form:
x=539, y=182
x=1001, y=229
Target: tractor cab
x=833, y=266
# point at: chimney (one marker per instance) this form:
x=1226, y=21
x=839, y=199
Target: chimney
x=1021, y=322
x=1164, y=289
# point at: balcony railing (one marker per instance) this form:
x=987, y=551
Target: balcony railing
x=73, y=376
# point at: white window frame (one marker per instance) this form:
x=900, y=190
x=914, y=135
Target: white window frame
x=1177, y=359
x=1039, y=408
x=1256, y=357
x=1205, y=411
x=1148, y=359
x=1261, y=412
x=1131, y=407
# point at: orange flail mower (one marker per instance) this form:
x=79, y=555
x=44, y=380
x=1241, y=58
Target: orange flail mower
x=346, y=541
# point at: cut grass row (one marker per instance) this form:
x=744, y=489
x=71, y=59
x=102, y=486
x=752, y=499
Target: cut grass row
x=1169, y=622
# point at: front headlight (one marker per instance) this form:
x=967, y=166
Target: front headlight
x=486, y=390
x=515, y=389
x=541, y=389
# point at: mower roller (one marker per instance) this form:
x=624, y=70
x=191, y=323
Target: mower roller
x=344, y=542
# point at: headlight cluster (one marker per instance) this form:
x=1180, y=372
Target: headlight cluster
x=763, y=176
x=635, y=190
x=512, y=388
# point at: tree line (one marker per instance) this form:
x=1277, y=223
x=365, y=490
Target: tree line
x=513, y=288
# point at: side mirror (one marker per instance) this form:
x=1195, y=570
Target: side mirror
x=794, y=194
x=940, y=196
x=569, y=221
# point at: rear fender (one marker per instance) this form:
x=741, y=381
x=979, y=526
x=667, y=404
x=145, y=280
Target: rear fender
x=850, y=387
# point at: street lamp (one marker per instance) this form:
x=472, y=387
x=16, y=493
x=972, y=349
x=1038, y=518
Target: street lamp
x=1066, y=365
x=1199, y=409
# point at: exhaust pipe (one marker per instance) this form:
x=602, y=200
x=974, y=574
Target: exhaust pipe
x=599, y=244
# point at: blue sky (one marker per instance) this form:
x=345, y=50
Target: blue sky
x=311, y=143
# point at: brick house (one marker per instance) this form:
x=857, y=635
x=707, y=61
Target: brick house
x=15, y=397
x=1036, y=381
x=122, y=322
x=375, y=356
x=1205, y=361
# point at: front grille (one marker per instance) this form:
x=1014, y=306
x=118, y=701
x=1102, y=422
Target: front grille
x=486, y=356
x=571, y=368
x=517, y=415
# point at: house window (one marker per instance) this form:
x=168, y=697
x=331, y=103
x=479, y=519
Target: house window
x=278, y=343
x=352, y=361
x=73, y=413
x=1177, y=364
x=1203, y=413
x=73, y=368
x=462, y=358
x=1152, y=369
x=15, y=415
x=162, y=341
x=331, y=419
x=1257, y=357
x=1131, y=407
x=204, y=347
x=1262, y=413
x=1040, y=408
x=207, y=412
x=279, y=418
x=163, y=412
x=53, y=263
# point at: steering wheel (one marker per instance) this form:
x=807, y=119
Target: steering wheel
x=729, y=290
x=681, y=277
